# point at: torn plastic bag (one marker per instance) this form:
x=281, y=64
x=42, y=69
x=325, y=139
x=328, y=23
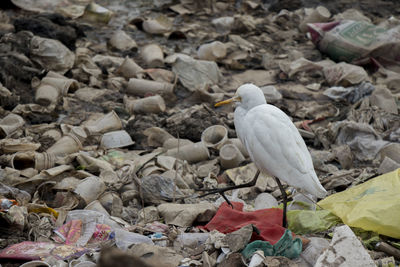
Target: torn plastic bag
x=28, y=250
x=311, y=221
x=51, y=54
x=357, y=41
x=195, y=74
x=286, y=246
x=373, y=205
x=363, y=140
x=267, y=221
x=351, y=94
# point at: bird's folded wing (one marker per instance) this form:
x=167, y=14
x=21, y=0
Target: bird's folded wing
x=274, y=138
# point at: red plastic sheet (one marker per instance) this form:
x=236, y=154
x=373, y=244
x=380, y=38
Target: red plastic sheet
x=267, y=221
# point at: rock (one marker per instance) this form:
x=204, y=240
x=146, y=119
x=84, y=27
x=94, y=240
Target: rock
x=185, y=215
x=279, y=261
x=155, y=255
x=148, y=214
x=388, y=165
x=223, y=24
x=344, y=156
x=265, y=201
x=271, y=93
x=392, y=151
x=314, y=249
x=345, y=250
x=383, y=98
x=112, y=257
x=232, y=260
x=238, y=239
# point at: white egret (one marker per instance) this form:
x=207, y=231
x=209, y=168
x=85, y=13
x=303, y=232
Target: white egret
x=273, y=142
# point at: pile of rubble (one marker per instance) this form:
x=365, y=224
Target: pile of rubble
x=108, y=133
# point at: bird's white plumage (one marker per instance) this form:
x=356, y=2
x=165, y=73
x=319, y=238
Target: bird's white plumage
x=273, y=142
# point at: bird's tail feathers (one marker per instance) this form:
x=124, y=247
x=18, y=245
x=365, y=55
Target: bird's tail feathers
x=315, y=188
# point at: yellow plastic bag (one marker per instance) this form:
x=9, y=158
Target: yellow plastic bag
x=373, y=205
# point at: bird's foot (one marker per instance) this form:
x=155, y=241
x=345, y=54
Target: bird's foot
x=221, y=191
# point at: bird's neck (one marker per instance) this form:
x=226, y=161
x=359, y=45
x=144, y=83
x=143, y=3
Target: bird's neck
x=248, y=104
x=239, y=120
x=240, y=112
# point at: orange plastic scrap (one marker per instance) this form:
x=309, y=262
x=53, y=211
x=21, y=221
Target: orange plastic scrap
x=6, y=204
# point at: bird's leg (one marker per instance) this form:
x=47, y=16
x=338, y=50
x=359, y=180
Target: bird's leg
x=226, y=199
x=222, y=190
x=284, y=196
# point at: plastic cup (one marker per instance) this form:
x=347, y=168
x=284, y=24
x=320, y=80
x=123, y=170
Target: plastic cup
x=147, y=105
x=109, y=122
x=44, y=161
x=64, y=85
x=230, y=156
x=68, y=144
x=112, y=203
x=211, y=51
x=152, y=55
x=214, y=136
x=90, y=188
x=174, y=142
x=239, y=144
x=46, y=94
x=9, y=124
x=319, y=14
x=142, y=87
x=96, y=206
x=157, y=136
x=192, y=153
x=39, y=161
x=129, y=69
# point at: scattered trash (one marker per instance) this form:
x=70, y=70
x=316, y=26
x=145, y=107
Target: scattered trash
x=122, y=41
x=314, y=249
x=35, y=250
x=286, y=246
x=319, y=14
x=347, y=40
x=345, y=74
x=195, y=74
x=311, y=221
x=265, y=201
x=345, y=246
x=212, y=51
x=112, y=153
x=185, y=215
x=378, y=194
x=155, y=255
x=51, y=54
x=267, y=221
x=351, y=94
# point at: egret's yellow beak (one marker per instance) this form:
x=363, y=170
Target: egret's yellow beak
x=228, y=101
